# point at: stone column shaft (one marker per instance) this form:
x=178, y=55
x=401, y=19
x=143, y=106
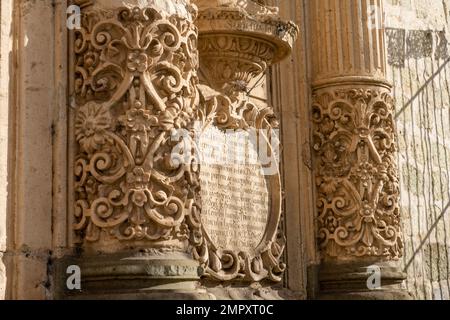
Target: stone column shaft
x=354, y=142
x=348, y=41
x=136, y=209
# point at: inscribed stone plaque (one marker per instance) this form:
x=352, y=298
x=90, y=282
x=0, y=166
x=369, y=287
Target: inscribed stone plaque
x=235, y=195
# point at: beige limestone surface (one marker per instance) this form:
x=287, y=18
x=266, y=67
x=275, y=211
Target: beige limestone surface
x=37, y=145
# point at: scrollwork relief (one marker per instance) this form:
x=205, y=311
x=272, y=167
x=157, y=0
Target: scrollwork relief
x=356, y=173
x=222, y=264
x=135, y=82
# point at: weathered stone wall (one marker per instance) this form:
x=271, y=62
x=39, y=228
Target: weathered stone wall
x=418, y=57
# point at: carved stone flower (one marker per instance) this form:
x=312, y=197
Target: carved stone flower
x=138, y=61
x=138, y=119
x=367, y=213
x=364, y=173
x=91, y=123
x=327, y=186
x=140, y=125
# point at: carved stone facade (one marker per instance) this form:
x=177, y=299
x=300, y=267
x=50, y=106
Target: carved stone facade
x=136, y=91
x=212, y=149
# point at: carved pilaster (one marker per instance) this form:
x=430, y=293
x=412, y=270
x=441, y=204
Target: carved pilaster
x=354, y=147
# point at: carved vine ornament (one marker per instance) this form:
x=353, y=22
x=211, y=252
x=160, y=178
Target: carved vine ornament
x=136, y=83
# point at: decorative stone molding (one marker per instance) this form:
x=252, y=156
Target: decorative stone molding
x=253, y=292
x=135, y=84
x=150, y=274
x=356, y=172
x=231, y=61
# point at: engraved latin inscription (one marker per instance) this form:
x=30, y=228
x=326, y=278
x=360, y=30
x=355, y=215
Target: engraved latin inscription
x=235, y=197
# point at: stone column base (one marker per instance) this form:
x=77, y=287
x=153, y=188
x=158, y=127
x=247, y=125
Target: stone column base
x=349, y=281
x=142, y=276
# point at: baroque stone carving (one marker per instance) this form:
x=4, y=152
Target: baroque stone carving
x=238, y=40
x=135, y=84
x=266, y=260
x=237, y=45
x=356, y=172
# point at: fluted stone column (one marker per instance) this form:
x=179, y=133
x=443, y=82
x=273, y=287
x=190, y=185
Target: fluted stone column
x=354, y=142
x=134, y=87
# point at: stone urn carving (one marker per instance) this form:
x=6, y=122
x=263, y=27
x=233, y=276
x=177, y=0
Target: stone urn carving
x=238, y=40
x=137, y=213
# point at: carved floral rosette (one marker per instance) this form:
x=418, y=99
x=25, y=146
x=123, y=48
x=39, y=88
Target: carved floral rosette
x=135, y=84
x=356, y=172
x=266, y=260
